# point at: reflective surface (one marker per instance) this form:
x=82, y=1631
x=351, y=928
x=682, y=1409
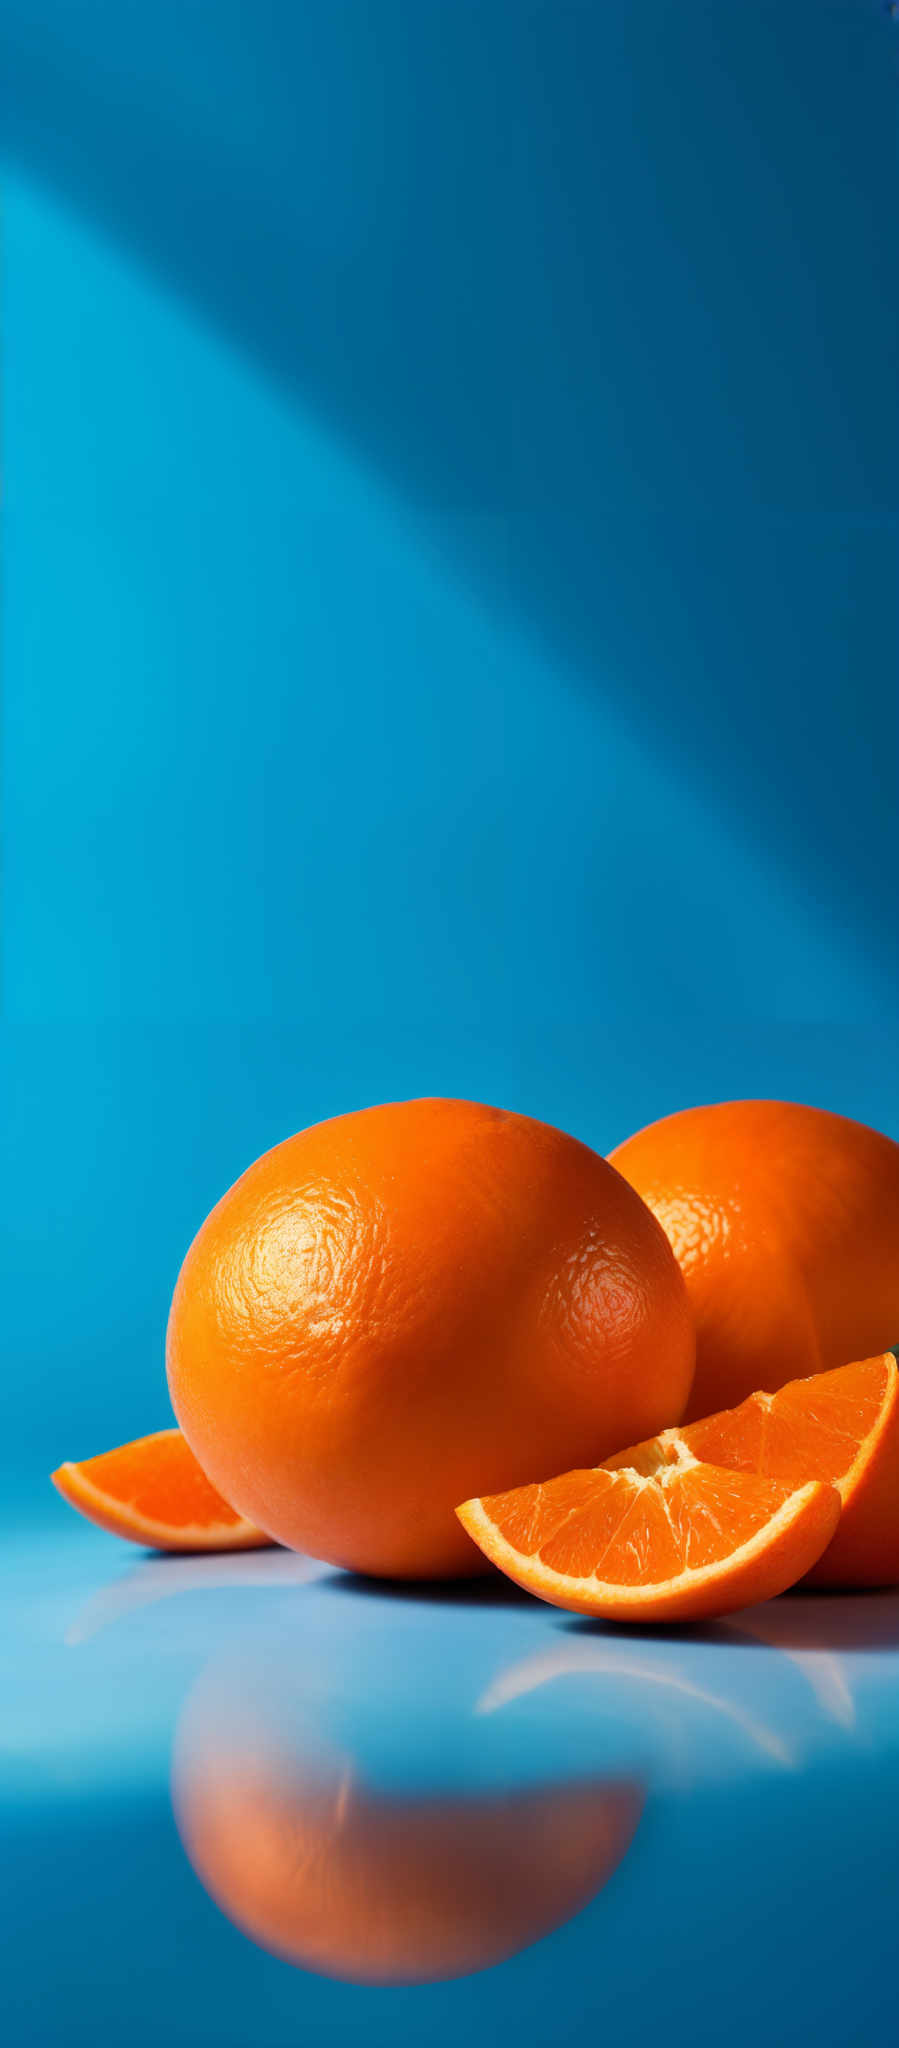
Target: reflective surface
x=256, y=1801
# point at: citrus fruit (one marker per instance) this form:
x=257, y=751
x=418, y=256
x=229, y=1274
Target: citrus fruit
x=405, y=1305
x=841, y=1426
x=785, y=1221
x=659, y=1538
x=153, y=1491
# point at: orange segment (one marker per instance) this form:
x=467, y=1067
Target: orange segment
x=655, y=1539
x=153, y=1491
x=840, y=1426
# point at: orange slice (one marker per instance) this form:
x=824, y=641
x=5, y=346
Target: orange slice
x=660, y=1538
x=842, y=1426
x=153, y=1491
x=704, y=1520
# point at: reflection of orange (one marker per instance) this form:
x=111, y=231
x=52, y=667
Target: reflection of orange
x=153, y=1491
x=382, y=1890
x=786, y=1224
x=661, y=1694
x=402, y=1306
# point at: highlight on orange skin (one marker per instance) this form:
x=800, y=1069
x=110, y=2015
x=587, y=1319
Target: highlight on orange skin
x=785, y=1222
x=153, y=1491
x=374, y=1887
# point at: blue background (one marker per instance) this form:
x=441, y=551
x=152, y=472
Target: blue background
x=451, y=623
x=452, y=457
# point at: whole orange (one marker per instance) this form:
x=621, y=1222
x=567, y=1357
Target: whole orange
x=785, y=1221
x=411, y=1304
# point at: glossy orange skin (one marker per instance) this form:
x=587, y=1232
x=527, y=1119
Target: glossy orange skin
x=785, y=1221
x=412, y=1303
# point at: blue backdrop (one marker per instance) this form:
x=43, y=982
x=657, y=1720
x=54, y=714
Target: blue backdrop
x=451, y=626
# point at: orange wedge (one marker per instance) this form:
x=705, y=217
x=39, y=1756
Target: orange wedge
x=726, y=1512
x=153, y=1491
x=842, y=1426
x=660, y=1538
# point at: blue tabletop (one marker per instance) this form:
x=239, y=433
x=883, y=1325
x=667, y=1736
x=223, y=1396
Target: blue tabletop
x=252, y=1801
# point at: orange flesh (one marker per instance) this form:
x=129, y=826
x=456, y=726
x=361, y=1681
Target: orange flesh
x=840, y=1426
x=693, y=1542
x=153, y=1491
x=740, y=1499
x=628, y=1530
x=811, y=1429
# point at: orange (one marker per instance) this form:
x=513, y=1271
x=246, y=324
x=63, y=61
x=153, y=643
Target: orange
x=153, y=1491
x=412, y=1303
x=655, y=1536
x=785, y=1221
x=842, y=1426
